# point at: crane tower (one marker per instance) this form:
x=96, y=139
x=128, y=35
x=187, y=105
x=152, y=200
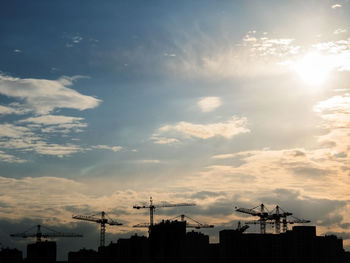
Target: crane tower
x=103, y=221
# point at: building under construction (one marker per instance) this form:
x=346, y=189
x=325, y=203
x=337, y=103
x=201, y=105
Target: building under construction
x=169, y=242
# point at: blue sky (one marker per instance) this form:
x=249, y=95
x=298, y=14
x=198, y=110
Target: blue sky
x=222, y=103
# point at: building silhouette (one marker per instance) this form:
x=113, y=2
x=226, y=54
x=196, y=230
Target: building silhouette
x=8, y=255
x=41, y=252
x=168, y=242
x=298, y=245
x=84, y=255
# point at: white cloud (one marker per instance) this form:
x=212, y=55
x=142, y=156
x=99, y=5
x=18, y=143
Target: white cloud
x=336, y=6
x=257, y=54
x=338, y=104
x=227, y=129
x=223, y=156
x=169, y=55
x=57, y=123
x=254, y=55
x=339, y=31
x=13, y=108
x=29, y=138
x=106, y=147
x=77, y=39
x=164, y=140
x=10, y=158
x=13, y=131
x=38, y=133
x=73, y=40
x=44, y=95
x=53, y=119
x=150, y=161
x=56, y=149
x=208, y=104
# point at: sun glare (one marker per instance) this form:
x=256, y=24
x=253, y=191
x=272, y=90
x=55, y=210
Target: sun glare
x=314, y=69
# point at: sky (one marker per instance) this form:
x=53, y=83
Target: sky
x=221, y=103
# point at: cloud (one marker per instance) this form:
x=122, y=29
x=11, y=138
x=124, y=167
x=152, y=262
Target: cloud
x=8, y=130
x=149, y=161
x=40, y=131
x=169, y=55
x=24, y=139
x=335, y=113
x=106, y=147
x=56, y=149
x=342, y=235
x=44, y=95
x=256, y=54
x=74, y=40
x=335, y=104
x=206, y=194
x=208, y=104
x=10, y=158
x=77, y=39
x=227, y=129
x=13, y=108
x=164, y=140
x=223, y=156
x=339, y=31
x=56, y=123
x=336, y=6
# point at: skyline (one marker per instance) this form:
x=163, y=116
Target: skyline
x=225, y=103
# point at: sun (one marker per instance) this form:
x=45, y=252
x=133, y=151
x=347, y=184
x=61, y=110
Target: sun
x=314, y=68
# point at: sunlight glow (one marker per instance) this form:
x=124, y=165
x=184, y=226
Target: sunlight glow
x=314, y=69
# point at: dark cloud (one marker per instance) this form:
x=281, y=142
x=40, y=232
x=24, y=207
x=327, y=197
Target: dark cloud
x=206, y=194
x=298, y=153
x=309, y=171
x=345, y=225
x=330, y=220
x=305, y=207
x=343, y=235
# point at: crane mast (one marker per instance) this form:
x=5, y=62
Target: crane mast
x=102, y=221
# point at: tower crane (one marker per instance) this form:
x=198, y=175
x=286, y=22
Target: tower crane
x=152, y=207
x=103, y=221
x=263, y=215
x=275, y=217
x=39, y=234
